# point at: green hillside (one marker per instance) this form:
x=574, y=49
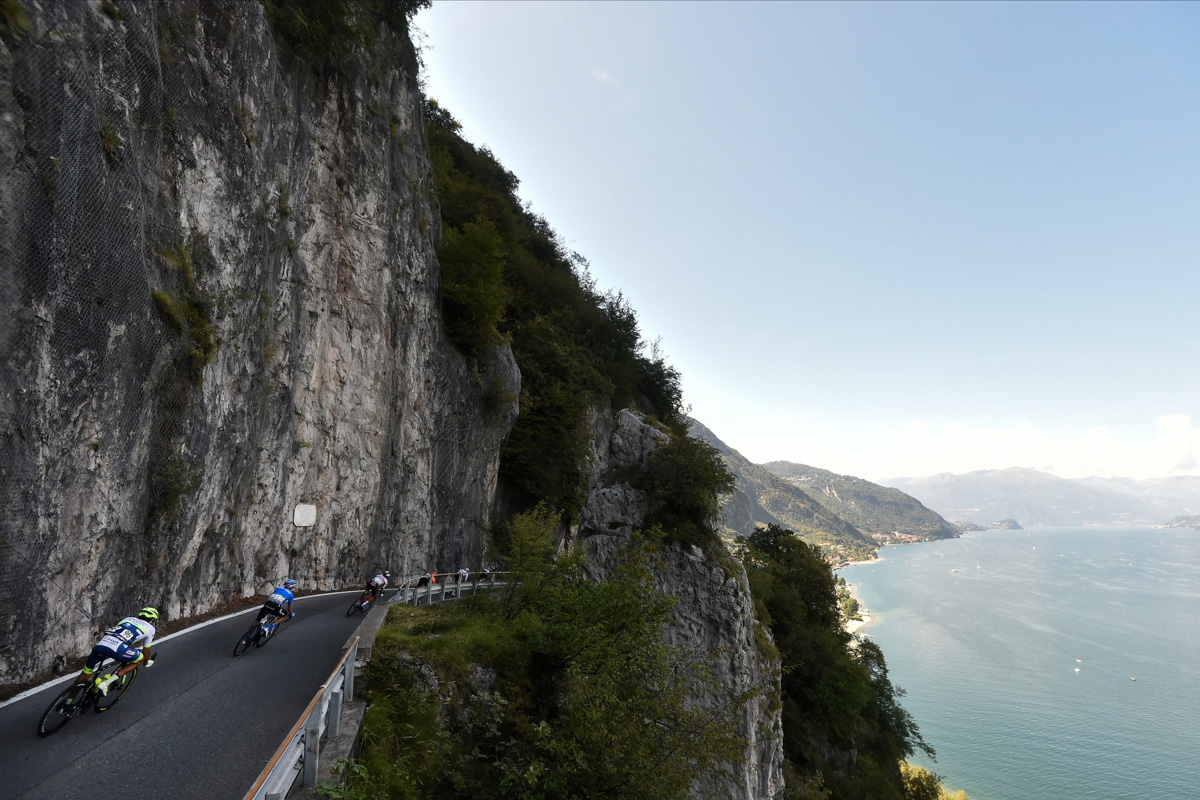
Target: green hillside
x=762, y=498
x=878, y=511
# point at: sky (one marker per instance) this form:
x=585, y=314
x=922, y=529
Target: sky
x=884, y=239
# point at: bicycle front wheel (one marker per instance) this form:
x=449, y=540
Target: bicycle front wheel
x=60, y=712
x=115, y=692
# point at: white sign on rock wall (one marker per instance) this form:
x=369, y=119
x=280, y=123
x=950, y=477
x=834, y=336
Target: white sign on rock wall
x=305, y=516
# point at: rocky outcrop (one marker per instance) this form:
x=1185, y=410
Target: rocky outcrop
x=714, y=615
x=221, y=302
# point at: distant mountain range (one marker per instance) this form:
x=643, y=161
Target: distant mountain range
x=851, y=515
x=1035, y=498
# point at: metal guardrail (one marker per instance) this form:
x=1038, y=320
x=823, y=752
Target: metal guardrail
x=436, y=587
x=296, y=759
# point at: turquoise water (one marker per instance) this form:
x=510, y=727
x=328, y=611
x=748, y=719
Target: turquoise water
x=988, y=657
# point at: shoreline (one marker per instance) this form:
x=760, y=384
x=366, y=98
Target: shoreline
x=844, y=564
x=853, y=626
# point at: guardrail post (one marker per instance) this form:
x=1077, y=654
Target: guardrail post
x=348, y=687
x=312, y=745
x=335, y=713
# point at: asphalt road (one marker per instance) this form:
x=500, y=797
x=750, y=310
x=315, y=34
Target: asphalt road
x=198, y=724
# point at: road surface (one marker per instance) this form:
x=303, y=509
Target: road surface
x=198, y=724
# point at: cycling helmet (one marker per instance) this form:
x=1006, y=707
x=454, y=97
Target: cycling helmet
x=149, y=613
x=289, y=584
x=387, y=574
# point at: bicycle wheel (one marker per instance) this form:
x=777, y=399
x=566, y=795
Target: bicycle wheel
x=115, y=692
x=263, y=636
x=64, y=707
x=355, y=606
x=246, y=640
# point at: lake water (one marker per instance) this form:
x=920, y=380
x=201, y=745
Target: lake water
x=986, y=634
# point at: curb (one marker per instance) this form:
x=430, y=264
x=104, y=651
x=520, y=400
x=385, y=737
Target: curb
x=345, y=744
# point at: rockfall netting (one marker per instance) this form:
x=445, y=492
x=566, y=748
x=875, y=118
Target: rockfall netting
x=106, y=331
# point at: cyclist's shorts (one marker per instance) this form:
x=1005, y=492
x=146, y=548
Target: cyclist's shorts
x=270, y=609
x=123, y=653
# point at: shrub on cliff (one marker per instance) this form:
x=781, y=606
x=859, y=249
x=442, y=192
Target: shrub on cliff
x=561, y=688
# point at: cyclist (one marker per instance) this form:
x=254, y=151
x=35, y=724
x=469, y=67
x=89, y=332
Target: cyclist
x=128, y=642
x=274, y=607
x=378, y=584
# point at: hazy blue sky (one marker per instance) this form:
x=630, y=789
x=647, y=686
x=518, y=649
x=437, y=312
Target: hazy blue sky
x=883, y=239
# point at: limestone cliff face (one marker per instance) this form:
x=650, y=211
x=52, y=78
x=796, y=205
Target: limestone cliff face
x=219, y=302
x=714, y=614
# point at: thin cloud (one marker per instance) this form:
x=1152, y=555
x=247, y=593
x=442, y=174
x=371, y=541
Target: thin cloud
x=605, y=78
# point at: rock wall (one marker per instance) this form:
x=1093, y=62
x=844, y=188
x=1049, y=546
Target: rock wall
x=714, y=614
x=220, y=300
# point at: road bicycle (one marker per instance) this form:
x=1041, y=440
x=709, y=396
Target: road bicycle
x=363, y=603
x=82, y=698
x=258, y=634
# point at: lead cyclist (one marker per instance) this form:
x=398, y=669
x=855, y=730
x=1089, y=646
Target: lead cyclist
x=128, y=642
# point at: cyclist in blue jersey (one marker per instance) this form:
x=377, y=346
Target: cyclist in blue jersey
x=275, y=606
x=128, y=642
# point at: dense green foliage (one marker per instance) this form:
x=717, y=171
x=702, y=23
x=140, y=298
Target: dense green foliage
x=324, y=30
x=507, y=277
x=560, y=688
x=684, y=481
x=841, y=715
x=473, y=293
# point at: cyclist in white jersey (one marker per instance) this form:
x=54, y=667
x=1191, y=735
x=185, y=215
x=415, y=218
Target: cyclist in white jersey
x=128, y=642
x=378, y=584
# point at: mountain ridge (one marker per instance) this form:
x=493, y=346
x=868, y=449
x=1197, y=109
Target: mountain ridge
x=762, y=498
x=882, y=512
x=1035, y=498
